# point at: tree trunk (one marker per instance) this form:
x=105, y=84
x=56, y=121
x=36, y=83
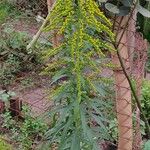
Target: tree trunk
x=123, y=93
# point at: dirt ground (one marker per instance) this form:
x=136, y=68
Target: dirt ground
x=35, y=93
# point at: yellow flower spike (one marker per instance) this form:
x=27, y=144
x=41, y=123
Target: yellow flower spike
x=80, y=52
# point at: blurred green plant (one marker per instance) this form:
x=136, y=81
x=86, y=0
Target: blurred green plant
x=7, y=10
x=31, y=129
x=145, y=99
x=8, y=121
x=14, y=58
x=5, y=96
x=4, y=145
x=147, y=145
x=25, y=132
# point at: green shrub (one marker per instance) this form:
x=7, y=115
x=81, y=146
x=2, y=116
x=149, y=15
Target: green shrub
x=145, y=99
x=14, y=56
x=30, y=129
x=26, y=132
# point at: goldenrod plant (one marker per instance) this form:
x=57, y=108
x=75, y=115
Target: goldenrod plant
x=78, y=89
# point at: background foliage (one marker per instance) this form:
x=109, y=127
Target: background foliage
x=14, y=56
x=26, y=133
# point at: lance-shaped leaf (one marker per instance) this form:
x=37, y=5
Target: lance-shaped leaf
x=143, y=11
x=124, y=10
x=147, y=145
x=127, y=3
x=112, y=8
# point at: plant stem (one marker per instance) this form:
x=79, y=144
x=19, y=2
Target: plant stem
x=36, y=37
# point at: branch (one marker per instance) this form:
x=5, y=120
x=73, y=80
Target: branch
x=36, y=37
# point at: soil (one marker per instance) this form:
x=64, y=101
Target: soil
x=33, y=94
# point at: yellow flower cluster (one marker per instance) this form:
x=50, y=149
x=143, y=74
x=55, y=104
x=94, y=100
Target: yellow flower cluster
x=76, y=64
x=74, y=19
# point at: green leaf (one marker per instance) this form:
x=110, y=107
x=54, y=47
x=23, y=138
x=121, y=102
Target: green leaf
x=88, y=133
x=100, y=114
x=143, y=11
x=60, y=124
x=112, y=8
x=5, y=97
x=100, y=88
x=64, y=134
x=60, y=74
x=123, y=11
x=61, y=93
x=102, y=1
x=102, y=126
x=75, y=145
x=147, y=145
x=2, y=92
x=127, y=3
x=52, y=133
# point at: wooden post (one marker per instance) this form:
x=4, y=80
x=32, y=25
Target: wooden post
x=131, y=36
x=123, y=94
x=15, y=107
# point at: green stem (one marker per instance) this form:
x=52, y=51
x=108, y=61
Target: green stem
x=78, y=72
